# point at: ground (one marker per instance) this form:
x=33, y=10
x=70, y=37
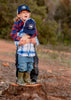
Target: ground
x=54, y=70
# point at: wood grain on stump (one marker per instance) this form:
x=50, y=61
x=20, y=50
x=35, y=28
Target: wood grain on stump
x=26, y=92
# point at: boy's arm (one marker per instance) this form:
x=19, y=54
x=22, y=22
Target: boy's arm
x=21, y=35
x=34, y=38
x=15, y=31
x=25, y=39
x=36, y=33
x=35, y=41
x=22, y=42
x=16, y=43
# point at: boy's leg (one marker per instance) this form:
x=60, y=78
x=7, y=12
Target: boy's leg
x=29, y=68
x=16, y=64
x=35, y=71
x=22, y=65
x=20, y=80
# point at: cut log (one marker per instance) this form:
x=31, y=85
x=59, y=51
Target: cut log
x=26, y=92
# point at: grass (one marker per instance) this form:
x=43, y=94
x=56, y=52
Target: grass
x=10, y=54
x=55, y=57
x=59, y=47
x=50, y=53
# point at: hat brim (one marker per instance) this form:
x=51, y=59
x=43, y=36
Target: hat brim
x=30, y=32
x=26, y=10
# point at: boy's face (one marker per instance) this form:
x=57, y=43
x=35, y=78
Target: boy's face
x=24, y=15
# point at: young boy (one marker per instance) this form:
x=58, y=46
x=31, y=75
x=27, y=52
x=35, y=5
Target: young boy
x=23, y=13
x=26, y=52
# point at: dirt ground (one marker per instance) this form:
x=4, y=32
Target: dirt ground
x=55, y=78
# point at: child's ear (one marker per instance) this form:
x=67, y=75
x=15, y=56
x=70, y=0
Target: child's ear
x=18, y=15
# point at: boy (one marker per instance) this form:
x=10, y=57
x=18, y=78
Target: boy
x=23, y=13
x=26, y=52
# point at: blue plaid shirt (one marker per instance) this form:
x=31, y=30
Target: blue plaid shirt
x=28, y=49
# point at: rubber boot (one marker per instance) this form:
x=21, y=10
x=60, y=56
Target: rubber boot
x=27, y=78
x=20, y=80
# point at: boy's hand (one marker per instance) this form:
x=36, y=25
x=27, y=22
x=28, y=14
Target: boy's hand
x=25, y=39
x=22, y=42
x=33, y=40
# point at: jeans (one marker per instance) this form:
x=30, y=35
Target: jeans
x=35, y=71
x=25, y=64
x=16, y=63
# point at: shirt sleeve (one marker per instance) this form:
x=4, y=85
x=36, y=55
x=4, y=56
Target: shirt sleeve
x=37, y=41
x=36, y=33
x=16, y=43
x=20, y=33
x=14, y=32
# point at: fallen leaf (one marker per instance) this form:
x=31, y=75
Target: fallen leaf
x=5, y=64
x=49, y=71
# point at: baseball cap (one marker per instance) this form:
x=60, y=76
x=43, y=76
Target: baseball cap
x=22, y=7
x=29, y=27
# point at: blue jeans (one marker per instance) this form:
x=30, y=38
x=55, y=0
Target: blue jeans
x=25, y=63
x=35, y=71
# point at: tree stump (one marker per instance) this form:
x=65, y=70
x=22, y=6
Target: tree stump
x=26, y=92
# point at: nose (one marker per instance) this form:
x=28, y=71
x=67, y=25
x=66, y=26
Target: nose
x=25, y=13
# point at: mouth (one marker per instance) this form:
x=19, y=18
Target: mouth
x=25, y=16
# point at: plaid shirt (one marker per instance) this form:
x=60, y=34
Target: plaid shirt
x=27, y=49
x=18, y=25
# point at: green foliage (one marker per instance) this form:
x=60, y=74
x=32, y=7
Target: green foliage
x=9, y=11
x=63, y=13
x=40, y=2
x=47, y=29
x=48, y=32
x=66, y=33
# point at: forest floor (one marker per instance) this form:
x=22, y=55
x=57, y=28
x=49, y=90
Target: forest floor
x=54, y=69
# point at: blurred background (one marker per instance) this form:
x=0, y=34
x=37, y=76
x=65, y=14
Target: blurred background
x=53, y=22
x=53, y=19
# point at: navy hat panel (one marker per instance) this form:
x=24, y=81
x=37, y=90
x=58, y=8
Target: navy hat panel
x=22, y=7
x=29, y=27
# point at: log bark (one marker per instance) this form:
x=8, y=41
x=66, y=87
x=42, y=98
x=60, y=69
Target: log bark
x=27, y=92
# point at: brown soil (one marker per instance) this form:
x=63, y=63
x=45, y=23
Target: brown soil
x=55, y=79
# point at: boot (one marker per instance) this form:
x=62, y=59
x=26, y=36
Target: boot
x=27, y=78
x=20, y=80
